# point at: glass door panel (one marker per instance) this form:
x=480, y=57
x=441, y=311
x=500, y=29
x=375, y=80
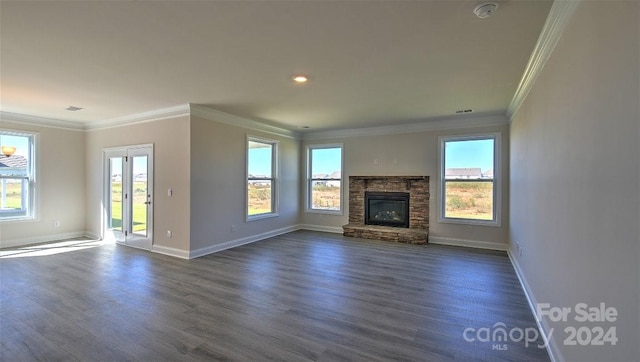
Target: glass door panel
x=127, y=195
x=115, y=193
x=141, y=198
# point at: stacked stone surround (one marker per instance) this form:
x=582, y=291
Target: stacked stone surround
x=418, y=189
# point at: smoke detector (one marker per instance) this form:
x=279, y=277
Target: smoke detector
x=485, y=10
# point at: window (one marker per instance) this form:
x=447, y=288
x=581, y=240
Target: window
x=17, y=175
x=469, y=179
x=261, y=178
x=324, y=179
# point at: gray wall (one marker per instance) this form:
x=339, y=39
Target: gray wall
x=218, y=184
x=417, y=155
x=60, y=188
x=170, y=138
x=575, y=177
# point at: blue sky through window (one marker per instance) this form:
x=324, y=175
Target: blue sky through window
x=260, y=159
x=326, y=161
x=469, y=154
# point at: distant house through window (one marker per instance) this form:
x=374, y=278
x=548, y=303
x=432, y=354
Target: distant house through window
x=261, y=178
x=17, y=175
x=324, y=178
x=469, y=187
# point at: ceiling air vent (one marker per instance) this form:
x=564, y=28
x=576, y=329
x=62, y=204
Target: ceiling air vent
x=465, y=111
x=73, y=108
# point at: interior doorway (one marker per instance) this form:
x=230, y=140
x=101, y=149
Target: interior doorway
x=128, y=195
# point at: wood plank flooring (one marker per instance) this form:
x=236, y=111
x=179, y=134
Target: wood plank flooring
x=296, y=297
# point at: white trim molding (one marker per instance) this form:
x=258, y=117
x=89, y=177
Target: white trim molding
x=242, y=241
x=436, y=124
x=491, y=245
x=322, y=228
x=557, y=20
x=41, y=121
x=175, y=252
x=233, y=120
x=46, y=238
x=551, y=345
x=144, y=117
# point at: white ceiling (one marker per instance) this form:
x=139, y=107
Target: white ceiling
x=371, y=63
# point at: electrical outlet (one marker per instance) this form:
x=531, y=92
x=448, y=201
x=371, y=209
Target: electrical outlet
x=169, y=192
x=234, y=228
x=56, y=223
x=169, y=234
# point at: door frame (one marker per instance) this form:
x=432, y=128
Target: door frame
x=129, y=239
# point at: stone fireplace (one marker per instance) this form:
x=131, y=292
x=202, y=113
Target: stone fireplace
x=392, y=208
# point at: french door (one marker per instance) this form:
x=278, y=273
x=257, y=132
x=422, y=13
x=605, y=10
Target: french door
x=128, y=195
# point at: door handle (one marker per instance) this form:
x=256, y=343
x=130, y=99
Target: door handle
x=147, y=203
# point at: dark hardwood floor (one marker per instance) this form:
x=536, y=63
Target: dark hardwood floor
x=300, y=296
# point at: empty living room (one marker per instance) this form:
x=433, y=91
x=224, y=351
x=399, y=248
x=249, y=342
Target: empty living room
x=316, y=180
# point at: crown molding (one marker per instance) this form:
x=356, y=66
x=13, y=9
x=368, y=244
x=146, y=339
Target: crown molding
x=436, y=124
x=41, y=121
x=233, y=120
x=557, y=20
x=144, y=117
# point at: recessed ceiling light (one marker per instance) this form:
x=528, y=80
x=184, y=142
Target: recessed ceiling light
x=300, y=78
x=73, y=108
x=485, y=10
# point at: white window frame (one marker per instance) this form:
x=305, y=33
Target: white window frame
x=497, y=179
x=29, y=179
x=274, y=178
x=310, y=179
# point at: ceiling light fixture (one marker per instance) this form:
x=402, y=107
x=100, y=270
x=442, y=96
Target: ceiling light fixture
x=485, y=10
x=8, y=150
x=300, y=78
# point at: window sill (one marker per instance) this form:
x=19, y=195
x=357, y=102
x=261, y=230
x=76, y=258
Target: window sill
x=324, y=212
x=16, y=219
x=262, y=216
x=472, y=222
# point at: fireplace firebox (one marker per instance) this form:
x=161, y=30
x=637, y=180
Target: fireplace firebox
x=386, y=209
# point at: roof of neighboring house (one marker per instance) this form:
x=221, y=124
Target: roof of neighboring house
x=15, y=161
x=473, y=171
x=488, y=173
x=333, y=175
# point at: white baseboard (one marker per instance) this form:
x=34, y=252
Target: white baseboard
x=468, y=243
x=326, y=229
x=46, y=238
x=242, y=241
x=166, y=250
x=552, y=346
x=92, y=235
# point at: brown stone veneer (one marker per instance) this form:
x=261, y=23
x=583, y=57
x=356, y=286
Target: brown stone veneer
x=418, y=189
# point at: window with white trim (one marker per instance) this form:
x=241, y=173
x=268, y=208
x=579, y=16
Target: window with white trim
x=324, y=178
x=470, y=179
x=17, y=175
x=262, y=155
